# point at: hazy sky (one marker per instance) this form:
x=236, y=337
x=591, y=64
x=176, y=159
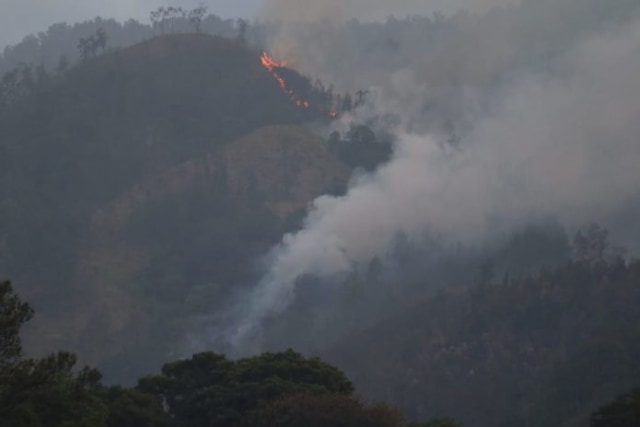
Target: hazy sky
x=19, y=18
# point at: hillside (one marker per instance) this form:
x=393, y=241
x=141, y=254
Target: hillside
x=153, y=205
x=542, y=350
x=140, y=175
x=143, y=108
x=176, y=244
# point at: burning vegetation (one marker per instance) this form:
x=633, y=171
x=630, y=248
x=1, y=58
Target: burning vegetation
x=298, y=89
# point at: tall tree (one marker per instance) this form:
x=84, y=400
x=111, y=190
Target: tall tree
x=196, y=16
x=44, y=392
x=13, y=314
x=101, y=39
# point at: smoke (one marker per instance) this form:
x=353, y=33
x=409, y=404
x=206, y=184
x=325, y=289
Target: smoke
x=368, y=10
x=555, y=137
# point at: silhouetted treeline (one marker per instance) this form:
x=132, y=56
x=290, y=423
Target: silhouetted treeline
x=60, y=41
x=282, y=389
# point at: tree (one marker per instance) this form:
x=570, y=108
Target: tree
x=101, y=39
x=13, y=314
x=623, y=412
x=161, y=15
x=133, y=408
x=44, y=392
x=48, y=392
x=590, y=244
x=89, y=46
x=157, y=18
x=347, y=103
x=210, y=390
x=329, y=410
x=242, y=29
x=173, y=13
x=196, y=16
x=63, y=65
x=17, y=84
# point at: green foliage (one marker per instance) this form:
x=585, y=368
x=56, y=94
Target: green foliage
x=271, y=390
x=48, y=393
x=13, y=314
x=623, y=412
x=210, y=390
x=133, y=408
x=294, y=369
x=45, y=392
x=328, y=410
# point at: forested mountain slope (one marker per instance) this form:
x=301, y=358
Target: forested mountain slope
x=541, y=350
x=141, y=188
x=122, y=183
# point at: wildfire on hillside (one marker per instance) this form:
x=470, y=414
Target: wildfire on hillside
x=274, y=68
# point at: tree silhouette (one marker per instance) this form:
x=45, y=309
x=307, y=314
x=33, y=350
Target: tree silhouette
x=89, y=46
x=13, y=314
x=101, y=39
x=196, y=16
x=242, y=29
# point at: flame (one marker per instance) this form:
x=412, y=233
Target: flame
x=270, y=63
x=272, y=66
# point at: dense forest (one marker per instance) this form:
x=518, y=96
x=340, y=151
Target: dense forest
x=282, y=389
x=272, y=389
x=150, y=175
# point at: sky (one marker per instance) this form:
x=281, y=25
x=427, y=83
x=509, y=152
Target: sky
x=19, y=18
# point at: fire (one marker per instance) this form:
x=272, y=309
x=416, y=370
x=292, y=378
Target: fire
x=273, y=66
x=270, y=63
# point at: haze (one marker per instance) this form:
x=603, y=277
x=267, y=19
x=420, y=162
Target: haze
x=19, y=18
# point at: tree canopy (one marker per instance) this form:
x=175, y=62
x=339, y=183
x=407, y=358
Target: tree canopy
x=210, y=390
x=623, y=412
x=13, y=314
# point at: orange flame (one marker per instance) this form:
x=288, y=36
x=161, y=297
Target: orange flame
x=272, y=65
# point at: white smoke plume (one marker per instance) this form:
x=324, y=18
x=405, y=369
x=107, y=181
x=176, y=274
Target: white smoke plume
x=561, y=140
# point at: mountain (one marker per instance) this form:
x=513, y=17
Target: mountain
x=141, y=190
x=142, y=184
x=545, y=349
x=60, y=40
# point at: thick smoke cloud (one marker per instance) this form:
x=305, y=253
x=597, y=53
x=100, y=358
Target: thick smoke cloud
x=317, y=39
x=440, y=63
x=552, y=131
x=563, y=148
